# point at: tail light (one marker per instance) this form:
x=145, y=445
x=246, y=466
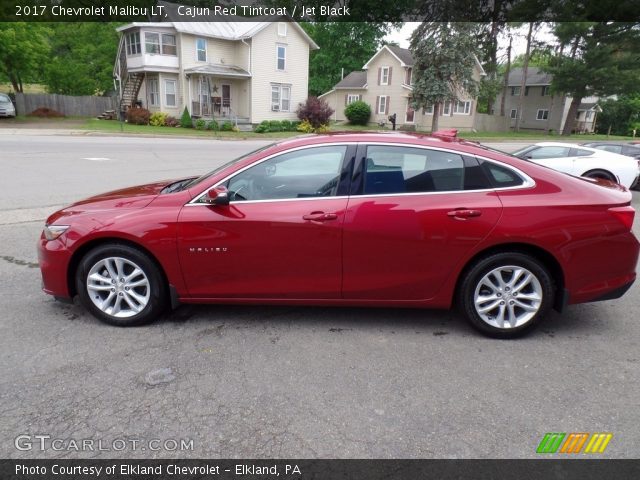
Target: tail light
x=624, y=215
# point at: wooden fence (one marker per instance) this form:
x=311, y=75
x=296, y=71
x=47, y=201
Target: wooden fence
x=85, y=106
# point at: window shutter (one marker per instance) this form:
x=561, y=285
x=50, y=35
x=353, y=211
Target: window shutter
x=379, y=75
x=346, y=99
x=377, y=103
x=390, y=69
x=386, y=106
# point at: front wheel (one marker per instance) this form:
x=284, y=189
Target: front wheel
x=120, y=285
x=504, y=295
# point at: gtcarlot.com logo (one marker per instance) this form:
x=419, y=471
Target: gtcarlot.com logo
x=574, y=442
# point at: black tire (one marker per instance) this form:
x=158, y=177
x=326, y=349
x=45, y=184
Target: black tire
x=157, y=289
x=600, y=174
x=472, y=281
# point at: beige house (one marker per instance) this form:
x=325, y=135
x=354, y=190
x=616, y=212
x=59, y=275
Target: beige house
x=386, y=85
x=245, y=72
x=540, y=110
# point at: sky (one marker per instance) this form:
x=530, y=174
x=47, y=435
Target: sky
x=519, y=46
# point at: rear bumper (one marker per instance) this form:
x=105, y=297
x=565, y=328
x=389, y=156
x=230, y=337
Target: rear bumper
x=604, y=269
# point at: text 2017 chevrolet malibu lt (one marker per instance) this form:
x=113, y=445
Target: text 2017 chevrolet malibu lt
x=352, y=219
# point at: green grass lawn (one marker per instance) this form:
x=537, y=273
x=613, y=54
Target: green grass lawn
x=118, y=127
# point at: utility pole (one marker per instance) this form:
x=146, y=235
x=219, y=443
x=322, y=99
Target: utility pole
x=505, y=87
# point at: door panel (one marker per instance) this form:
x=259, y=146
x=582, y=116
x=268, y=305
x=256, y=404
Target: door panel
x=262, y=249
x=404, y=247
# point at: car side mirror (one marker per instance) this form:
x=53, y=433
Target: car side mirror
x=217, y=196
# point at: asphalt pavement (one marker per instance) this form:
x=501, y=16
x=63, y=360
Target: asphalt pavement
x=262, y=382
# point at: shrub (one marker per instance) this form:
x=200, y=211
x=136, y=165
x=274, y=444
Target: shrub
x=275, y=126
x=213, y=125
x=286, y=126
x=138, y=116
x=316, y=111
x=227, y=126
x=158, y=119
x=358, y=112
x=44, y=112
x=306, y=127
x=185, y=119
x=201, y=124
x=171, y=121
x=262, y=127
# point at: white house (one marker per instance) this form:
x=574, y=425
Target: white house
x=385, y=83
x=242, y=71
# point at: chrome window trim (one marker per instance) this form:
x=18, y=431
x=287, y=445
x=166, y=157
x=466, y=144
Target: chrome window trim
x=528, y=182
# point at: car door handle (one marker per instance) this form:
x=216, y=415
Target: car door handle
x=320, y=216
x=464, y=213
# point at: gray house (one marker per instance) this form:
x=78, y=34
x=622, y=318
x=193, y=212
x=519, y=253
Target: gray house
x=540, y=109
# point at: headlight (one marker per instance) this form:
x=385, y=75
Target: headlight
x=51, y=232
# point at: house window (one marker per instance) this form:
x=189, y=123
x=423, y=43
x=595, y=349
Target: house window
x=462, y=108
x=133, y=43
x=281, y=57
x=154, y=96
x=384, y=76
x=201, y=49
x=514, y=113
x=526, y=91
x=170, y=93
x=545, y=90
x=152, y=43
x=383, y=104
x=589, y=115
x=280, y=97
x=542, y=115
x=515, y=91
x=408, y=75
x=168, y=44
x=352, y=98
x=282, y=29
x=446, y=110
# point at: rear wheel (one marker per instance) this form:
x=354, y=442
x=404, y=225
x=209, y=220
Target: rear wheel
x=600, y=174
x=504, y=295
x=120, y=285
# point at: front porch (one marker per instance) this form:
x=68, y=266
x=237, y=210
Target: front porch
x=218, y=92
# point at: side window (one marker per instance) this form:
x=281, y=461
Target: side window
x=501, y=177
x=611, y=148
x=548, y=152
x=578, y=152
x=311, y=172
x=412, y=170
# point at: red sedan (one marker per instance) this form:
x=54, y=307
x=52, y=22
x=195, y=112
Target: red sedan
x=350, y=219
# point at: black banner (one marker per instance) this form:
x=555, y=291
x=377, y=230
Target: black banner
x=548, y=469
x=320, y=10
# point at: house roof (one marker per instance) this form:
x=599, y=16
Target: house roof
x=353, y=80
x=219, y=70
x=401, y=54
x=535, y=77
x=231, y=28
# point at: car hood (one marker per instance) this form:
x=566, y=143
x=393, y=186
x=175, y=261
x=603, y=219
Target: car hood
x=138, y=196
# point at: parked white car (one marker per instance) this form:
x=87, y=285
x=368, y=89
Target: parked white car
x=583, y=161
x=6, y=106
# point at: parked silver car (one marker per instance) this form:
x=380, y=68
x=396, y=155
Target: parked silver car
x=6, y=106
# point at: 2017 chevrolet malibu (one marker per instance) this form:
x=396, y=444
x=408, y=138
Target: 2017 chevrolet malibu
x=351, y=219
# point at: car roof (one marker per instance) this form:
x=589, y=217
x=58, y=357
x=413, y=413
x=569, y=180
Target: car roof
x=558, y=144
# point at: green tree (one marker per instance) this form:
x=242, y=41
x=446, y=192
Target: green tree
x=444, y=60
x=344, y=47
x=621, y=115
x=24, y=48
x=598, y=58
x=82, y=56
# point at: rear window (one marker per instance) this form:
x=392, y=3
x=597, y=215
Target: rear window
x=502, y=177
x=4, y=98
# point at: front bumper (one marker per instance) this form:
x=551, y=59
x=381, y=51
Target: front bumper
x=54, y=259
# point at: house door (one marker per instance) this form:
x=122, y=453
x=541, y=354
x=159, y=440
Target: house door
x=226, y=99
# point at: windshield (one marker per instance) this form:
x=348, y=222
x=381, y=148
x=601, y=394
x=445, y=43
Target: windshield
x=4, y=98
x=195, y=181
